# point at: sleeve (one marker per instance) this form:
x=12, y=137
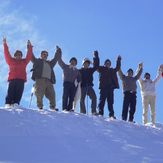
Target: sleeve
x=57, y=56
x=157, y=79
x=118, y=65
x=99, y=69
x=95, y=63
x=61, y=63
x=138, y=73
x=29, y=54
x=121, y=75
x=7, y=55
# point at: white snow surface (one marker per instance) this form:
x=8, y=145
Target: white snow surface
x=33, y=136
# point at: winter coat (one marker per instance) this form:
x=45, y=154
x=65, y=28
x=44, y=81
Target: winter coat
x=38, y=67
x=108, y=76
x=129, y=82
x=148, y=85
x=69, y=73
x=87, y=74
x=17, y=68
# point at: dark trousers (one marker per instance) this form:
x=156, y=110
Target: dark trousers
x=69, y=91
x=106, y=93
x=14, y=91
x=129, y=101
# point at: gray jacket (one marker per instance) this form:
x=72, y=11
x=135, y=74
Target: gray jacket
x=69, y=73
x=128, y=82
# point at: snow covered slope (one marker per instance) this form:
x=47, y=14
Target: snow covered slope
x=30, y=135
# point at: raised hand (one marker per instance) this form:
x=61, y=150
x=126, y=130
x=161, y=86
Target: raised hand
x=140, y=65
x=28, y=42
x=58, y=50
x=95, y=53
x=119, y=57
x=4, y=40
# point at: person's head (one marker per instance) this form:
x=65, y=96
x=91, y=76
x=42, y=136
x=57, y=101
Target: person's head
x=147, y=75
x=86, y=62
x=130, y=72
x=73, y=61
x=44, y=55
x=18, y=54
x=107, y=63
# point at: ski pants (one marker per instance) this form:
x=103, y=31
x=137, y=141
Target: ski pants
x=149, y=101
x=106, y=93
x=129, y=101
x=43, y=86
x=89, y=91
x=14, y=91
x=69, y=91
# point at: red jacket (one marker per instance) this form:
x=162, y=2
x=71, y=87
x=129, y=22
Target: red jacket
x=17, y=68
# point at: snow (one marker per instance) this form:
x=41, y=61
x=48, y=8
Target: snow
x=34, y=136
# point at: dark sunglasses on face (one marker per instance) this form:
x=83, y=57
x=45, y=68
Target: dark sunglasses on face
x=44, y=54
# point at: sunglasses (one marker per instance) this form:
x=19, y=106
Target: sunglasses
x=44, y=54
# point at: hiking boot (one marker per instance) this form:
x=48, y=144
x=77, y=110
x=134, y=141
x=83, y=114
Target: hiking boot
x=113, y=117
x=96, y=114
x=7, y=105
x=53, y=108
x=15, y=104
x=40, y=108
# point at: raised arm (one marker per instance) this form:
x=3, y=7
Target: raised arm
x=57, y=56
x=7, y=55
x=95, y=60
x=60, y=61
x=159, y=72
x=118, y=64
x=29, y=52
x=139, y=71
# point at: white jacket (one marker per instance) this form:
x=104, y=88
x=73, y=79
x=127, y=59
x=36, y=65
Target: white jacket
x=148, y=85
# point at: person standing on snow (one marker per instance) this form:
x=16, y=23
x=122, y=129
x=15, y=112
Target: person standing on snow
x=108, y=81
x=17, y=73
x=44, y=78
x=70, y=74
x=148, y=94
x=129, y=92
x=87, y=83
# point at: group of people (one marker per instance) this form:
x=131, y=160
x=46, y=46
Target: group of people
x=73, y=79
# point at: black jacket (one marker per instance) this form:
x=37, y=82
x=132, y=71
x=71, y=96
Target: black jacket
x=108, y=76
x=87, y=74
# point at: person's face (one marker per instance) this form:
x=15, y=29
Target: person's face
x=108, y=64
x=73, y=63
x=86, y=65
x=129, y=73
x=18, y=56
x=44, y=56
x=147, y=76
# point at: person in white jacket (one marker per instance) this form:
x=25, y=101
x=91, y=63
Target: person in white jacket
x=148, y=94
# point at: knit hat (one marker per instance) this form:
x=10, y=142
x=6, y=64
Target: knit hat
x=107, y=60
x=86, y=60
x=16, y=52
x=73, y=58
x=130, y=70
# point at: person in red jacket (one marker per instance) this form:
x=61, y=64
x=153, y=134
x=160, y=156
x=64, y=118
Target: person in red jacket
x=17, y=73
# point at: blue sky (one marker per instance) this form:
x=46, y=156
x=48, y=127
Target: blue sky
x=132, y=29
